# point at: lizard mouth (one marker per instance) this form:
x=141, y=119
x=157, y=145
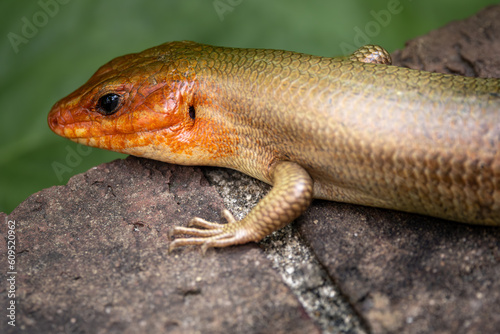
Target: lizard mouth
x=85, y=127
x=62, y=123
x=86, y=131
x=56, y=121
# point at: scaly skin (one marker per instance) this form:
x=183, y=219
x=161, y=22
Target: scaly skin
x=350, y=129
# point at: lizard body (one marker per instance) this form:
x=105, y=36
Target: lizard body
x=351, y=129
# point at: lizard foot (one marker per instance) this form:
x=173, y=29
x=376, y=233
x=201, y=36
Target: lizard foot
x=209, y=234
x=290, y=196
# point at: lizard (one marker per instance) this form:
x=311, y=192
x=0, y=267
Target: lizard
x=352, y=129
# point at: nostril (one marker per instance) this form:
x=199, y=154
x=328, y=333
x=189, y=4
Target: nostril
x=53, y=122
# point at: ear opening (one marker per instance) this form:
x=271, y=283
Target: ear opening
x=192, y=112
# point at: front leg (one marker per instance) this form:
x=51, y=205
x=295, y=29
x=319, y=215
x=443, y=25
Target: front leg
x=290, y=196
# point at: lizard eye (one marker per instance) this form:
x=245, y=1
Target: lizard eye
x=108, y=104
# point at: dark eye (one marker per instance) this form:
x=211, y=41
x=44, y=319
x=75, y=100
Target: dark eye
x=108, y=104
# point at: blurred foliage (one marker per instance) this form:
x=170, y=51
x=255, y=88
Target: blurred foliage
x=70, y=39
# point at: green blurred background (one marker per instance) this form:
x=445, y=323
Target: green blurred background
x=75, y=37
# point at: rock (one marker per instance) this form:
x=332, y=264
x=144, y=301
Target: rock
x=469, y=47
x=92, y=256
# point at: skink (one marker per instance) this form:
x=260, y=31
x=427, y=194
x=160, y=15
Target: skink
x=350, y=129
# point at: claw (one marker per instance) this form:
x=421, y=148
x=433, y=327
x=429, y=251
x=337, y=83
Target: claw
x=212, y=234
x=221, y=240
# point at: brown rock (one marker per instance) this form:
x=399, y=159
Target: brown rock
x=470, y=47
x=92, y=257
x=406, y=273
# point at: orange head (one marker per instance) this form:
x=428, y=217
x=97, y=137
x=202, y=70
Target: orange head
x=144, y=104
